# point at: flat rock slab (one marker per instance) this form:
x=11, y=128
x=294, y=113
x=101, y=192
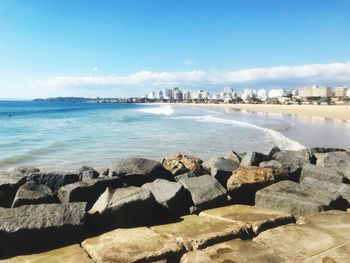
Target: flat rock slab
x=300, y=242
x=234, y=251
x=32, y=227
x=337, y=222
x=69, y=254
x=335, y=255
x=132, y=245
x=258, y=219
x=199, y=232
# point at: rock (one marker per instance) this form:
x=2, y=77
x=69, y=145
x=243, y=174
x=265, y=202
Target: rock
x=294, y=160
x=271, y=164
x=172, y=196
x=185, y=175
x=32, y=193
x=339, y=161
x=221, y=168
x=70, y=254
x=22, y=170
x=234, y=251
x=123, y=207
x=87, y=172
x=180, y=163
x=206, y=191
x=5, y=199
x=138, y=171
x=296, y=199
x=31, y=227
x=314, y=150
x=254, y=159
x=234, y=156
x=245, y=181
x=9, y=183
x=273, y=151
x=132, y=245
x=195, y=232
x=88, y=190
x=258, y=219
x=54, y=180
x=322, y=174
x=300, y=243
x=338, y=189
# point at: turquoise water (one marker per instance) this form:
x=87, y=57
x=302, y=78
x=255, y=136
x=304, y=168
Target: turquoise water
x=65, y=135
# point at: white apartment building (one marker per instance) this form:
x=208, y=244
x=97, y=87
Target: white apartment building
x=262, y=94
x=348, y=93
x=249, y=93
x=275, y=93
x=340, y=92
x=168, y=93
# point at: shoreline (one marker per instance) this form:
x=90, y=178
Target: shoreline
x=336, y=112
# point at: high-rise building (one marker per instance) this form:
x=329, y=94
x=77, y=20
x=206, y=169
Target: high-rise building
x=340, y=92
x=315, y=91
x=262, y=94
x=168, y=94
x=275, y=93
x=348, y=93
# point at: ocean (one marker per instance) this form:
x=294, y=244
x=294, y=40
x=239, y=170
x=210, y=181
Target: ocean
x=66, y=135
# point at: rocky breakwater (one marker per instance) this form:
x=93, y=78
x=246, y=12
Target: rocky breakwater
x=145, y=210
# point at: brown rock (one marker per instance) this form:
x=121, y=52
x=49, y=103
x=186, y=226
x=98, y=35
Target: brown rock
x=245, y=181
x=199, y=232
x=131, y=245
x=180, y=163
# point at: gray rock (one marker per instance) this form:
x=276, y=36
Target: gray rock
x=322, y=174
x=185, y=175
x=9, y=183
x=33, y=227
x=54, y=180
x=32, y=193
x=123, y=207
x=254, y=159
x=338, y=189
x=296, y=198
x=5, y=199
x=138, y=171
x=87, y=172
x=221, y=168
x=206, y=191
x=314, y=150
x=294, y=160
x=271, y=164
x=273, y=151
x=170, y=195
x=339, y=161
x=22, y=170
x=237, y=157
x=88, y=190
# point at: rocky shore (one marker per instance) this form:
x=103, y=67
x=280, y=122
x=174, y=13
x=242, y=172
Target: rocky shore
x=242, y=207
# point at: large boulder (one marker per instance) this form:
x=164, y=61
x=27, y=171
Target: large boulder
x=314, y=150
x=87, y=172
x=185, y=175
x=5, y=199
x=254, y=159
x=322, y=174
x=294, y=160
x=271, y=164
x=9, y=183
x=88, y=190
x=235, y=156
x=172, y=196
x=339, y=161
x=54, y=180
x=32, y=193
x=127, y=206
x=245, y=181
x=220, y=168
x=138, y=171
x=181, y=163
x=32, y=227
x=297, y=199
x=273, y=151
x=206, y=191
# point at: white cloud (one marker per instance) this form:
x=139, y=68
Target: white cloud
x=283, y=76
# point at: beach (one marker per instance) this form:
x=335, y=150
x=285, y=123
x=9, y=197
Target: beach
x=338, y=112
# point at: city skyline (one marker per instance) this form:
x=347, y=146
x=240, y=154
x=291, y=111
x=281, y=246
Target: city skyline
x=125, y=48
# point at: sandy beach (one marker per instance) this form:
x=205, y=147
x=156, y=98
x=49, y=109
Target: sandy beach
x=339, y=112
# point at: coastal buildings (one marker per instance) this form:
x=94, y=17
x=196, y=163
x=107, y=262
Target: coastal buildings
x=315, y=91
x=340, y=92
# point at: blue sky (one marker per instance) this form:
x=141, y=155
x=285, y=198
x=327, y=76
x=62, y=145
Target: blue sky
x=124, y=48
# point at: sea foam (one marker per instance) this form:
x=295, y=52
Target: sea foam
x=161, y=110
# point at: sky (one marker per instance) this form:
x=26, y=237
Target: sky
x=126, y=48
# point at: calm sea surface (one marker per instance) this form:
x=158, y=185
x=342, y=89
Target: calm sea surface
x=65, y=135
